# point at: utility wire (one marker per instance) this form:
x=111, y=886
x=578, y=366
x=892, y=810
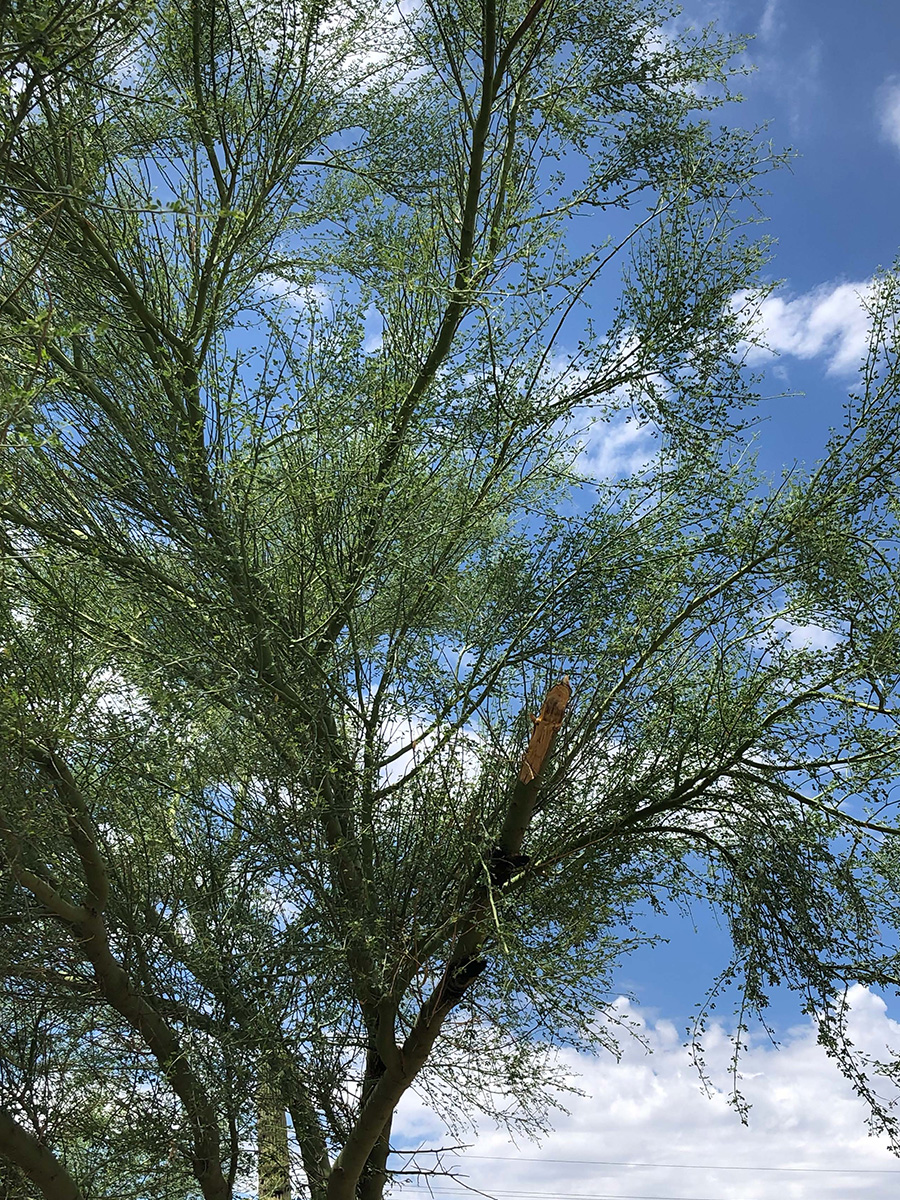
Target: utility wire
x=568, y=1195
x=600, y=1162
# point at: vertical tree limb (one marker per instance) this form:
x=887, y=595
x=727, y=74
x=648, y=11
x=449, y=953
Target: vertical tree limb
x=273, y=1163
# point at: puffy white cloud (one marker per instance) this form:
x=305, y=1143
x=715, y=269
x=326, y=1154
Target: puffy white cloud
x=411, y=739
x=810, y=636
x=650, y=1109
x=306, y=296
x=830, y=321
x=111, y=693
x=618, y=447
x=408, y=739
x=889, y=110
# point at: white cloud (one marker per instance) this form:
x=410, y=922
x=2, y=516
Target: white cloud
x=808, y=637
x=114, y=695
x=407, y=738
x=411, y=739
x=889, y=110
x=769, y=22
x=308, y=296
x=651, y=1109
x=787, y=62
x=830, y=321
x=618, y=447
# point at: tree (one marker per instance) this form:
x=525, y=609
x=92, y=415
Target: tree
x=296, y=367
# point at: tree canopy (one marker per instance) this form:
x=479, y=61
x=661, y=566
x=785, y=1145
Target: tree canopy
x=349, y=725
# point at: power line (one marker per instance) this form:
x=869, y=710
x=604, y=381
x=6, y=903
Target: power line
x=565, y=1195
x=600, y=1162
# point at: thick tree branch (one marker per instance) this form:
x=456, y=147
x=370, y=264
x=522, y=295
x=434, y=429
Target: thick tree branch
x=466, y=963
x=36, y=1161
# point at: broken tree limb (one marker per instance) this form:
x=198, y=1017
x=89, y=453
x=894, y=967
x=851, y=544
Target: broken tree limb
x=544, y=731
x=507, y=854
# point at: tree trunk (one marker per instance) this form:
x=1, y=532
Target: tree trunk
x=374, y=1177
x=274, y=1164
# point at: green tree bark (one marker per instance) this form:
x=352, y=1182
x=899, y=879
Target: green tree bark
x=274, y=1168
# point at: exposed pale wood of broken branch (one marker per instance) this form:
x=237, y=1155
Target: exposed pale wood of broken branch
x=545, y=727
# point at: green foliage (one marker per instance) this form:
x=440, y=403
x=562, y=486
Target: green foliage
x=296, y=361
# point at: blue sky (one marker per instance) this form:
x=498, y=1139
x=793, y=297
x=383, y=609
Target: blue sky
x=828, y=84
x=827, y=81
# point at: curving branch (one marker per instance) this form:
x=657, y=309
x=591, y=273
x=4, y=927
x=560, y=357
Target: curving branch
x=36, y=1161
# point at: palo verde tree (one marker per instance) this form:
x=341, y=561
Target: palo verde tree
x=296, y=533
